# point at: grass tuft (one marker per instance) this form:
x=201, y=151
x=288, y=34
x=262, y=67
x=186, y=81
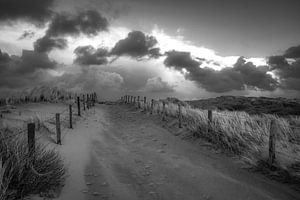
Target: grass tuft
x=22, y=175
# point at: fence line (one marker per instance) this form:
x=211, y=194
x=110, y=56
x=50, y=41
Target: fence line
x=160, y=107
x=31, y=126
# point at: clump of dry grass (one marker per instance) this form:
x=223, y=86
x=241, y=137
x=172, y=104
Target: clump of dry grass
x=22, y=175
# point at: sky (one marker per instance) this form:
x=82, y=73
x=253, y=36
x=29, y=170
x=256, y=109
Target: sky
x=188, y=49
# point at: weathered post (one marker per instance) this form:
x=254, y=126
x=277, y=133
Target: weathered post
x=134, y=98
x=96, y=99
x=152, y=106
x=83, y=101
x=164, y=111
x=93, y=97
x=209, y=120
x=179, y=116
x=70, y=116
x=78, y=105
x=272, y=135
x=145, y=103
x=58, y=133
x=87, y=101
x=139, y=102
x=31, y=139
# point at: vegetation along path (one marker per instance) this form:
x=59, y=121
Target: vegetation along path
x=118, y=152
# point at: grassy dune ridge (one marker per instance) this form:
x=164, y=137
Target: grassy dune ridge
x=243, y=134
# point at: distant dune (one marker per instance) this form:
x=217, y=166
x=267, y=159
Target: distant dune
x=251, y=105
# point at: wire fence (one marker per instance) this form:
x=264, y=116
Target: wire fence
x=231, y=130
x=64, y=119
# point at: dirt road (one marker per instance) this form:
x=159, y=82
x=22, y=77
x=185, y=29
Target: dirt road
x=116, y=152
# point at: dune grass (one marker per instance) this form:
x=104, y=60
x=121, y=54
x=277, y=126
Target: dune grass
x=22, y=175
x=242, y=134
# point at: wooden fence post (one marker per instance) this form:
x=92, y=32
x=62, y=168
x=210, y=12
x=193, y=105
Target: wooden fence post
x=272, y=135
x=152, y=106
x=139, y=102
x=70, y=116
x=209, y=120
x=93, y=95
x=91, y=100
x=78, y=105
x=145, y=102
x=83, y=102
x=31, y=139
x=58, y=133
x=87, y=101
x=179, y=116
x=164, y=111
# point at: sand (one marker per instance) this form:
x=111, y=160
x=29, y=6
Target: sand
x=116, y=152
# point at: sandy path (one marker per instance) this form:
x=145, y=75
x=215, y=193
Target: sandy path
x=120, y=153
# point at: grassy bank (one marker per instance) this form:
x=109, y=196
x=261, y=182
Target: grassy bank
x=244, y=135
x=22, y=175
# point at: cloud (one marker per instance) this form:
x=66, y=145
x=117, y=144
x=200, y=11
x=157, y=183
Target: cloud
x=292, y=52
x=35, y=11
x=157, y=85
x=46, y=44
x=108, y=85
x=27, y=34
x=287, y=68
x=88, y=55
x=287, y=73
x=277, y=61
x=180, y=60
x=239, y=77
x=136, y=45
x=29, y=69
x=4, y=57
x=89, y=22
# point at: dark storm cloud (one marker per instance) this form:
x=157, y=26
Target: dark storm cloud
x=136, y=45
x=277, y=61
x=32, y=61
x=88, y=55
x=18, y=71
x=36, y=11
x=89, y=22
x=46, y=44
x=26, y=34
x=180, y=60
x=239, y=76
x=292, y=52
x=4, y=57
x=288, y=73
